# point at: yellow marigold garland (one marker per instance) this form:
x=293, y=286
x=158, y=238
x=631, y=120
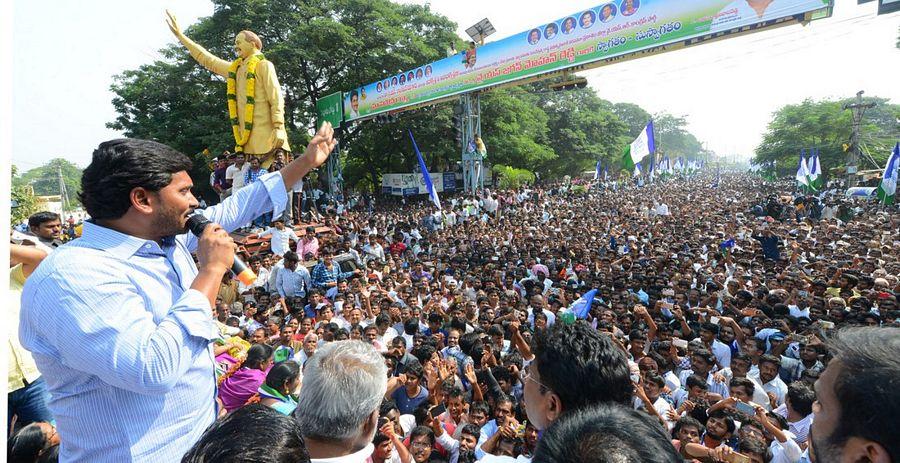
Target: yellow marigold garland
x=232, y=99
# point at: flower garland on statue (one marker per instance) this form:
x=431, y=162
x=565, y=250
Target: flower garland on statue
x=248, y=107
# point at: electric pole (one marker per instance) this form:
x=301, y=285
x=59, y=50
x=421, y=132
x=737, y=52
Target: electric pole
x=857, y=108
x=63, y=194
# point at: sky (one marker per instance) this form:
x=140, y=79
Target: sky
x=65, y=55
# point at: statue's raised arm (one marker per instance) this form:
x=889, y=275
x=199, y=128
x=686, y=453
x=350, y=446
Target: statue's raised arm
x=200, y=54
x=255, y=103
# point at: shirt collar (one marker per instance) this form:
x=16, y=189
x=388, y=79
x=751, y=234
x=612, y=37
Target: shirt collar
x=116, y=243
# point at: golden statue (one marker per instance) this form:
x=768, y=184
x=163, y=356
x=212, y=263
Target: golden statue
x=255, y=104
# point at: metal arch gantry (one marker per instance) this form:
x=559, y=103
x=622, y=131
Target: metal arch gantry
x=472, y=160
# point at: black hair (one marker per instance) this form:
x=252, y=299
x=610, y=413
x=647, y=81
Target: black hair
x=656, y=379
x=745, y=383
x=468, y=342
x=706, y=355
x=502, y=373
x=471, y=430
x=712, y=328
x=414, y=368
x=582, y=366
x=420, y=413
x=801, y=396
x=49, y=455
x=27, y=444
x=38, y=218
x=228, y=441
x=687, y=421
x=282, y=374
x=411, y=326
x=721, y=415
x=257, y=354
x=770, y=359
x=120, y=166
x=291, y=256
x=605, y=432
x=480, y=406
x=387, y=405
x=423, y=353
x=868, y=361
x=754, y=446
x=696, y=381
x=419, y=431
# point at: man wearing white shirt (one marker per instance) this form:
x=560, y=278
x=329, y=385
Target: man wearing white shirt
x=741, y=368
x=772, y=384
x=235, y=173
x=708, y=333
x=281, y=237
x=797, y=410
x=262, y=275
x=373, y=249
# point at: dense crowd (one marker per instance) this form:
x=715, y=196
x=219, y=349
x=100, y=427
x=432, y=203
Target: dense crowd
x=715, y=312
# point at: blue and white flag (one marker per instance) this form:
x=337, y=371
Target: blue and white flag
x=802, y=175
x=582, y=307
x=815, y=171
x=637, y=170
x=597, y=171
x=887, y=189
x=426, y=177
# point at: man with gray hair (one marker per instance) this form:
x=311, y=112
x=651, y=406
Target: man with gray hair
x=338, y=406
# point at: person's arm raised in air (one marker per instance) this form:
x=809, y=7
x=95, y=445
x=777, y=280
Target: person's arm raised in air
x=519, y=341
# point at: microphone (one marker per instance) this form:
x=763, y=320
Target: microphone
x=196, y=224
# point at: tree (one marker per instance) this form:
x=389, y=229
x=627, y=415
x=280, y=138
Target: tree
x=515, y=129
x=23, y=195
x=825, y=125
x=633, y=116
x=582, y=129
x=674, y=140
x=512, y=178
x=44, y=180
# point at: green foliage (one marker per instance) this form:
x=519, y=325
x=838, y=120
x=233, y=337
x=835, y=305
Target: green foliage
x=45, y=179
x=633, y=116
x=582, y=129
x=827, y=126
x=28, y=204
x=515, y=129
x=674, y=140
x=510, y=177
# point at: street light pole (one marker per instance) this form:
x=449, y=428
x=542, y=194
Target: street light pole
x=857, y=108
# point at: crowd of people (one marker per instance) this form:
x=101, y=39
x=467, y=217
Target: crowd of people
x=731, y=321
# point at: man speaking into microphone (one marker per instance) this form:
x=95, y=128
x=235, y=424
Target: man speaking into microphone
x=119, y=321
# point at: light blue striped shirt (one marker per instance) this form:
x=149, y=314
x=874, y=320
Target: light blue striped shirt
x=124, y=343
x=293, y=283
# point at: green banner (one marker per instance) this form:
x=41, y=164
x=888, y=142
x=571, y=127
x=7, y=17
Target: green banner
x=329, y=108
